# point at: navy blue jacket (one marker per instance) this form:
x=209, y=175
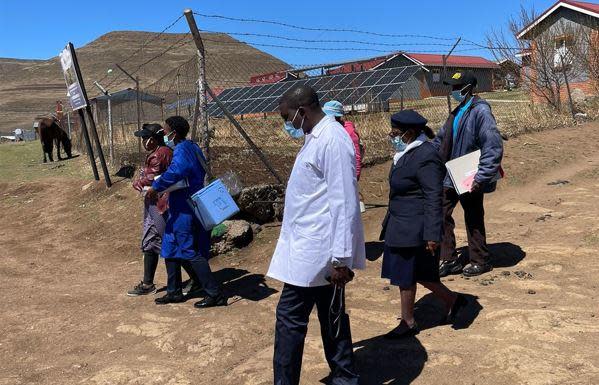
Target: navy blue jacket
x=415, y=199
x=477, y=131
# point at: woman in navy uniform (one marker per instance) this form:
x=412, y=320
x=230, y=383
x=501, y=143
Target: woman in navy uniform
x=413, y=225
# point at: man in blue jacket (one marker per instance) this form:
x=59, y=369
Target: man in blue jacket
x=185, y=241
x=470, y=127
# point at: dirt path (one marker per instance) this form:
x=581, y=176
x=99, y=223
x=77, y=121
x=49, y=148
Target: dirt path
x=66, y=263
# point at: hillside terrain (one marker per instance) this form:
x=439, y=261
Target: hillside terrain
x=71, y=252
x=32, y=87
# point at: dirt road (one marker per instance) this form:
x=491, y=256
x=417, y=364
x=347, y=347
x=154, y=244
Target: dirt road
x=68, y=256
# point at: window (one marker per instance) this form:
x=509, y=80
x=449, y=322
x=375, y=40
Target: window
x=436, y=75
x=562, y=55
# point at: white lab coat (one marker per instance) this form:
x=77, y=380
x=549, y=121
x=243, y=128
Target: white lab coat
x=321, y=221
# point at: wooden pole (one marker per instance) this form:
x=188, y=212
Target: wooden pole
x=201, y=105
x=445, y=70
x=110, y=134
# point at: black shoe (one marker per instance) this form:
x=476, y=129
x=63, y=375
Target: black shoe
x=474, y=269
x=170, y=298
x=403, y=330
x=450, y=267
x=219, y=300
x=142, y=289
x=192, y=290
x=460, y=303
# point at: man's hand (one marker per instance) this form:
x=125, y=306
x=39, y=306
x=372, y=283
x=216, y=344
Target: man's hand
x=432, y=246
x=476, y=187
x=151, y=195
x=341, y=276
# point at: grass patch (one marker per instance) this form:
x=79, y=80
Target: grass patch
x=21, y=162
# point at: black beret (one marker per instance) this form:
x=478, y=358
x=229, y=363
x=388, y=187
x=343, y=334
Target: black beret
x=407, y=118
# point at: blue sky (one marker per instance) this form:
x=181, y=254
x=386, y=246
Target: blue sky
x=39, y=29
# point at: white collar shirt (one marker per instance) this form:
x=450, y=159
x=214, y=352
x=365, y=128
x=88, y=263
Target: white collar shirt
x=321, y=221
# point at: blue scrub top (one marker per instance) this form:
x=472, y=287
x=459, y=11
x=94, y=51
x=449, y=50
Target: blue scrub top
x=184, y=237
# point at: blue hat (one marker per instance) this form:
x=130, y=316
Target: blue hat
x=333, y=108
x=407, y=119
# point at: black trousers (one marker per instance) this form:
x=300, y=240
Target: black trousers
x=151, y=263
x=201, y=275
x=293, y=312
x=474, y=216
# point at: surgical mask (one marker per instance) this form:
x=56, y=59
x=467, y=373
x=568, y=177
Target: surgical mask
x=458, y=95
x=398, y=144
x=169, y=142
x=295, y=133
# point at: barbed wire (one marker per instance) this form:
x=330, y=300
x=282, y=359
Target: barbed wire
x=145, y=43
x=347, y=49
x=330, y=41
x=273, y=22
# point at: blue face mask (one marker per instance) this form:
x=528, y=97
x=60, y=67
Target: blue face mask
x=295, y=133
x=169, y=142
x=398, y=144
x=458, y=96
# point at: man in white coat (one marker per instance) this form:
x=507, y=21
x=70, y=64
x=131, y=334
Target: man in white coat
x=321, y=241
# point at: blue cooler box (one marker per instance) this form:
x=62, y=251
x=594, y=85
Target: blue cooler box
x=213, y=204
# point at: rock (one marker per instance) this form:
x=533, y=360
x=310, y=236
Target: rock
x=506, y=273
x=259, y=202
x=523, y=275
x=233, y=234
x=531, y=291
x=239, y=233
x=559, y=182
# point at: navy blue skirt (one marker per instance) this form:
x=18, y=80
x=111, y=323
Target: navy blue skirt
x=405, y=266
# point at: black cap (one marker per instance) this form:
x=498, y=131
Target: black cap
x=407, y=119
x=148, y=130
x=461, y=78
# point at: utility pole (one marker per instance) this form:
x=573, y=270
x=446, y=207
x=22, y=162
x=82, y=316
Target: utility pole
x=445, y=70
x=201, y=105
x=178, y=93
x=137, y=97
x=110, y=132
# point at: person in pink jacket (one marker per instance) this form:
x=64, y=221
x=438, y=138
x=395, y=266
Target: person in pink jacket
x=335, y=108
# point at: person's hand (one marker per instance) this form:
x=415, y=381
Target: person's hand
x=341, y=275
x=476, y=187
x=151, y=195
x=137, y=185
x=432, y=246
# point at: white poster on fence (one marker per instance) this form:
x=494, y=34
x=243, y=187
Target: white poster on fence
x=74, y=91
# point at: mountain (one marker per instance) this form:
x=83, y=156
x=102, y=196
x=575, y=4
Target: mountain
x=31, y=87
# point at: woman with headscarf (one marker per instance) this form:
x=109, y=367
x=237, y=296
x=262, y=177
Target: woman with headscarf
x=413, y=225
